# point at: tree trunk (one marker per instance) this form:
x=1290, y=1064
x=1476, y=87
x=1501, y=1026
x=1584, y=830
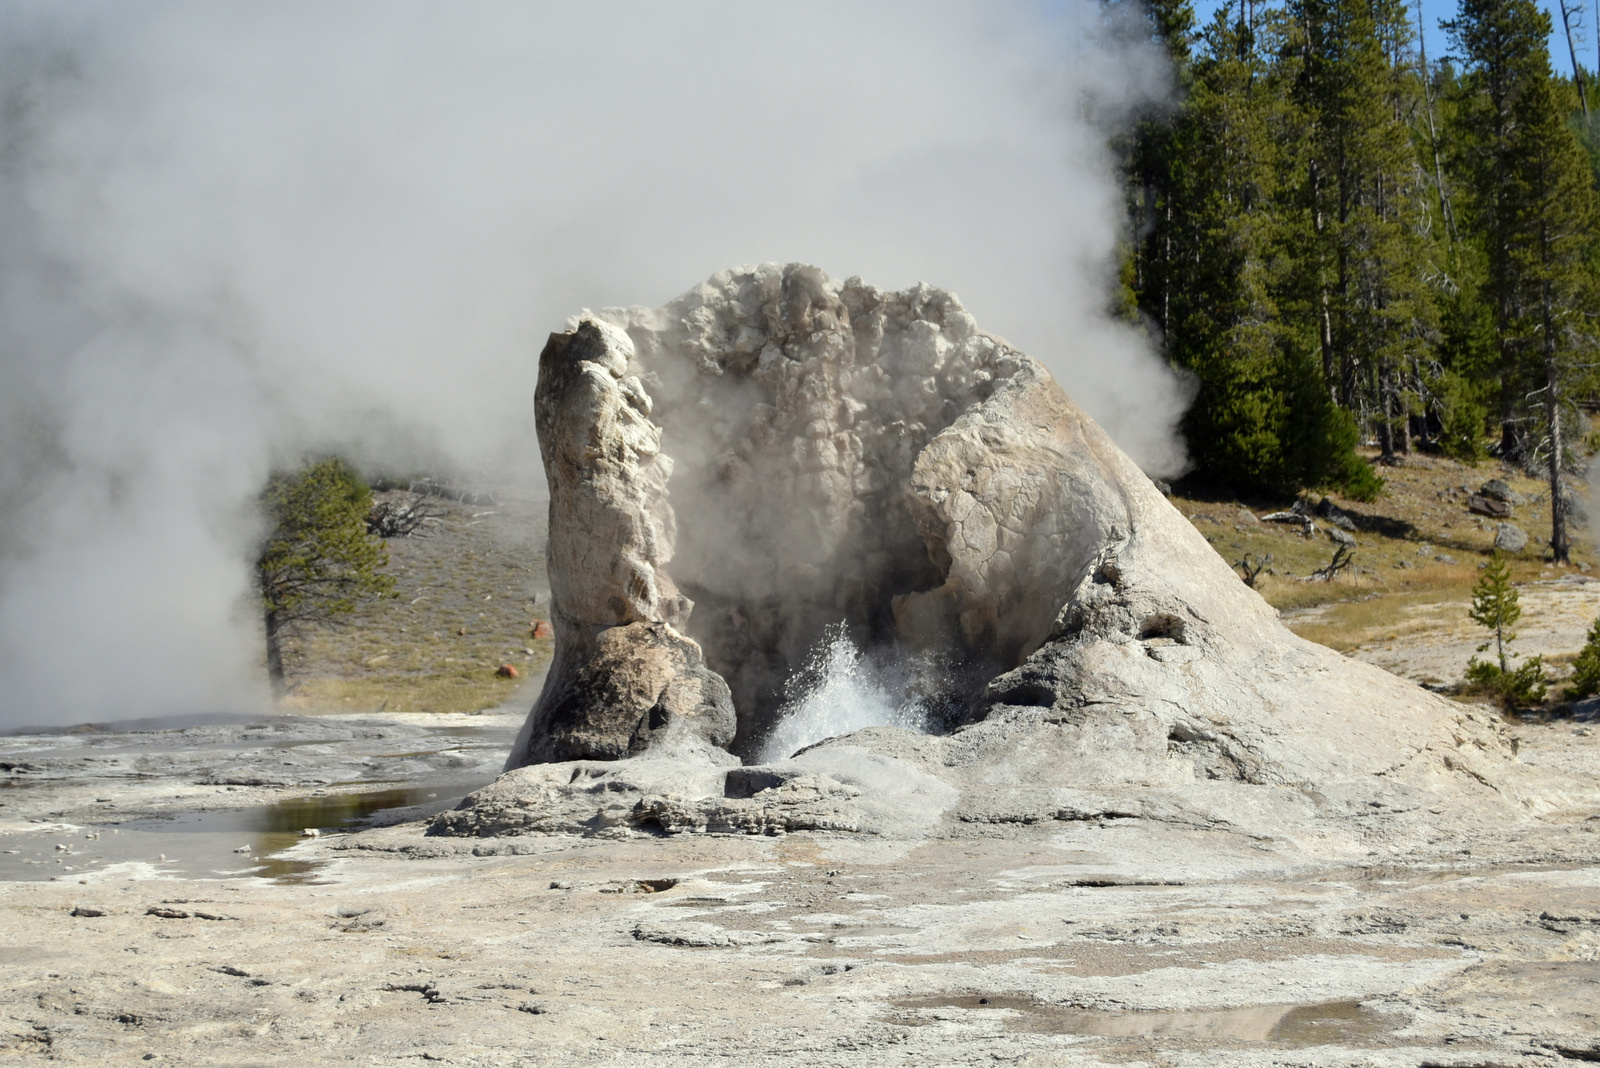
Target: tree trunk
x=1382, y=387
x=1324, y=316
x=1568, y=10
x=1433, y=136
x=1402, y=415
x=275, y=654
x=1560, y=548
x=1510, y=440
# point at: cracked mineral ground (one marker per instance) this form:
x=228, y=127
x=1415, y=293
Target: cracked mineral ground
x=1068, y=942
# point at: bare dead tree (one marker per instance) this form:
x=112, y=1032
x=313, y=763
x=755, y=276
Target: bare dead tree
x=1571, y=13
x=1252, y=571
x=394, y=519
x=1433, y=133
x=1342, y=557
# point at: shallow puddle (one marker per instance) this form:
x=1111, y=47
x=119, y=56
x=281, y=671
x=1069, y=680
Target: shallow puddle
x=218, y=843
x=1385, y=876
x=1333, y=1023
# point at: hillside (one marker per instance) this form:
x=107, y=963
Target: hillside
x=468, y=590
x=1402, y=603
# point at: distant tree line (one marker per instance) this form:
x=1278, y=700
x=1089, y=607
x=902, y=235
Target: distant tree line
x=1344, y=239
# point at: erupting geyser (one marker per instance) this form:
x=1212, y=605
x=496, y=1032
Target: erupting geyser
x=838, y=455
x=777, y=461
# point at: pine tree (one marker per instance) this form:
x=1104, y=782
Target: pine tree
x=1215, y=265
x=1367, y=255
x=1495, y=604
x=1533, y=204
x=317, y=557
x=1585, y=681
x=1154, y=170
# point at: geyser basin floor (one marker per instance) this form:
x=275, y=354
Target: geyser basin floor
x=122, y=796
x=218, y=843
x=805, y=949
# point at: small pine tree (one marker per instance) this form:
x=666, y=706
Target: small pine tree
x=1585, y=679
x=1494, y=605
x=317, y=557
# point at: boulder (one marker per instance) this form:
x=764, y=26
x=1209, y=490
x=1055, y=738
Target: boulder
x=1510, y=539
x=1335, y=515
x=1496, y=490
x=1489, y=506
x=850, y=461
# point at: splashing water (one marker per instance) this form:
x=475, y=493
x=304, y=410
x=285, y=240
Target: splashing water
x=840, y=690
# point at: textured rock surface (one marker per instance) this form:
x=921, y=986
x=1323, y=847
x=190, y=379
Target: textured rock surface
x=846, y=455
x=622, y=673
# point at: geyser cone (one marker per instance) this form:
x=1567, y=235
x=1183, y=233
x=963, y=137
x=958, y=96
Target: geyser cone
x=849, y=458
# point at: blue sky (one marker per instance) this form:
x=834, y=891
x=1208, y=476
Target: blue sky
x=1434, y=10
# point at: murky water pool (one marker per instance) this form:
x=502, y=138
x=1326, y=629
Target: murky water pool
x=223, y=843
x=1341, y=1023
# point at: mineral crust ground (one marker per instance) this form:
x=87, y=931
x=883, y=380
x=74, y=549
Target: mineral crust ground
x=1063, y=942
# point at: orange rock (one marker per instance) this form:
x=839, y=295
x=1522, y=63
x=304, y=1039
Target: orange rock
x=506, y=671
x=541, y=629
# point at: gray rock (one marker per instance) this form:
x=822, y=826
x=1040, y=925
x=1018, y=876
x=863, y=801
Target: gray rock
x=1510, y=539
x=1577, y=510
x=1489, y=506
x=1326, y=509
x=1339, y=536
x=1496, y=490
x=842, y=787
x=622, y=673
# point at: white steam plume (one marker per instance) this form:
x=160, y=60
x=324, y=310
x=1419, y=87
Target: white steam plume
x=230, y=232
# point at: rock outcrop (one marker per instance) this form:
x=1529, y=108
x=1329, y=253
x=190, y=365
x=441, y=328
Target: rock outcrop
x=843, y=455
x=623, y=675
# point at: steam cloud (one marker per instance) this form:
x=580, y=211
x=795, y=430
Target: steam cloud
x=232, y=233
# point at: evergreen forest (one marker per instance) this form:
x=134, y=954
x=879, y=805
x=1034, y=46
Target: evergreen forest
x=1347, y=242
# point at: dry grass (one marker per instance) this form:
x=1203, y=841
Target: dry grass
x=1417, y=545
x=468, y=689
x=1352, y=624
x=465, y=599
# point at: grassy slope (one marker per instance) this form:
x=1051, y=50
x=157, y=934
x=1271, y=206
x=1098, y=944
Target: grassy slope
x=1418, y=552
x=466, y=596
